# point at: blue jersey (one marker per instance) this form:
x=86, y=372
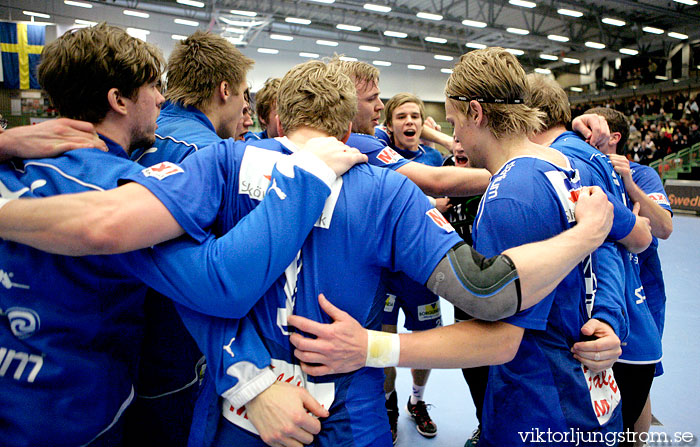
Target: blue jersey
x=424, y=154
x=72, y=326
x=552, y=388
x=181, y=131
x=71, y=359
x=373, y=220
x=255, y=135
x=643, y=343
x=378, y=153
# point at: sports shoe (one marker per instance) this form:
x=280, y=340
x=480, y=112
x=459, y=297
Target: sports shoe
x=473, y=441
x=392, y=410
x=419, y=413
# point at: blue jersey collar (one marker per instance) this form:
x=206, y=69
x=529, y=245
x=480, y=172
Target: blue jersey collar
x=114, y=148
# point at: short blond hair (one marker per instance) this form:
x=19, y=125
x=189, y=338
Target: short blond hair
x=199, y=64
x=265, y=100
x=79, y=68
x=361, y=73
x=494, y=73
x=546, y=95
x=397, y=101
x=317, y=95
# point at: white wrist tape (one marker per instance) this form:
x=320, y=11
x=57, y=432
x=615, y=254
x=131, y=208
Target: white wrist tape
x=383, y=349
x=4, y=202
x=432, y=201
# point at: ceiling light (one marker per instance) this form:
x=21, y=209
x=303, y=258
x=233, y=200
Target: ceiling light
x=519, y=31
x=544, y=71
x=194, y=3
x=687, y=2
x=78, y=4
x=327, y=2
x=178, y=37
x=442, y=57
x=186, y=22
x=446, y=70
x=348, y=59
x=397, y=34
x=237, y=40
x=570, y=60
x=596, y=45
x=476, y=46
x=435, y=39
x=677, y=35
x=415, y=67
x=298, y=21
x=138, y=33
x=243, y=13
x=549, y=57
x=241, y=23
x=610, y=84
x=576, y=89
x=515, y=51
x=309, y=55
x=281, y=37
x=522, y=3
x=85, y=22
x=557, y=38
x=676, y=81
x=352, y=28
x=613, y=22
x=327, y=43
x=382, y=63
x=474, y=24
x=369, y=48
x=661, y=78
x=377, y=8
x=129, y=12
x=36, y=14
x=428, y=16
x=570, y=12
x=268, y=50
x=629, y=51
x=652, y=30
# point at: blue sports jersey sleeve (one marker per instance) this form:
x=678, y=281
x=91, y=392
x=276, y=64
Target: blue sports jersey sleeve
x=199, y=190
x=378, y=153
x=609, y=303
x=507, y=222
x=649, y=181
x=225, y=276
x=413, y=236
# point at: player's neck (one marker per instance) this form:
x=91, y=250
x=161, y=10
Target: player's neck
x=303, y=134
x=547, y=137
x=115, y=132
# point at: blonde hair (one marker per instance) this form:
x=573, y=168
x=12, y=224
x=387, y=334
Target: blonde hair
x=546, y=95
x=317, y=95
x=361, y=73
x=494, y=73
x=199, y=64
x=79, y=68
x=397, y=101
x=265, y=100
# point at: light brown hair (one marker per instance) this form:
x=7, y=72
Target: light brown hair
x=494, y=73
x=546, y=94
x=397, y=101
x=79, y=68
x=317, y=95
x=199, y=64
x=265, y=100
x=361, y=73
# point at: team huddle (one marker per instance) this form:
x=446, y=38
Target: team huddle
x=177, y=280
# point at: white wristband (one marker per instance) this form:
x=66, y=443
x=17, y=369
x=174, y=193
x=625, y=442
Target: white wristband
x=432, y=201
x=383, y=349
x=4, y=202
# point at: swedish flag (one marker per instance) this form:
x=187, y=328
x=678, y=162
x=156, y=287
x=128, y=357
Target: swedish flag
x=21, y=46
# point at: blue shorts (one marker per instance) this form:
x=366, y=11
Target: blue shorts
x=420, y=306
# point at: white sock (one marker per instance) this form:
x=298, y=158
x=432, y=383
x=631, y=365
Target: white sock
x=417, y=393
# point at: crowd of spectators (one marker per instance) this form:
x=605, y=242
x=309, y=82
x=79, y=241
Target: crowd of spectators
x=659, y=124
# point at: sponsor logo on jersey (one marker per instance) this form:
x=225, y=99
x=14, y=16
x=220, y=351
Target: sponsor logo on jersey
x=439, y=220
x=429, y=311
x=162, y=170
x=389, y=303
x=15, y=363
x=492, y=191
x=659, y=199
x=23, y=322
x=286, y=372
x=389, y=156
x=604, y=393
x=6, y=193
x=567, y=189
x=256, y=172
x=6, y=281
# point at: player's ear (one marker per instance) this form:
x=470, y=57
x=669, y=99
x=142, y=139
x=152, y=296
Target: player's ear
x=116, y=101
x=279, y=125
x=347, y=134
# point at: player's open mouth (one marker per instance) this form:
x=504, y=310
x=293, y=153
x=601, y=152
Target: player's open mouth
x=409, y=132
x=461, y=159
